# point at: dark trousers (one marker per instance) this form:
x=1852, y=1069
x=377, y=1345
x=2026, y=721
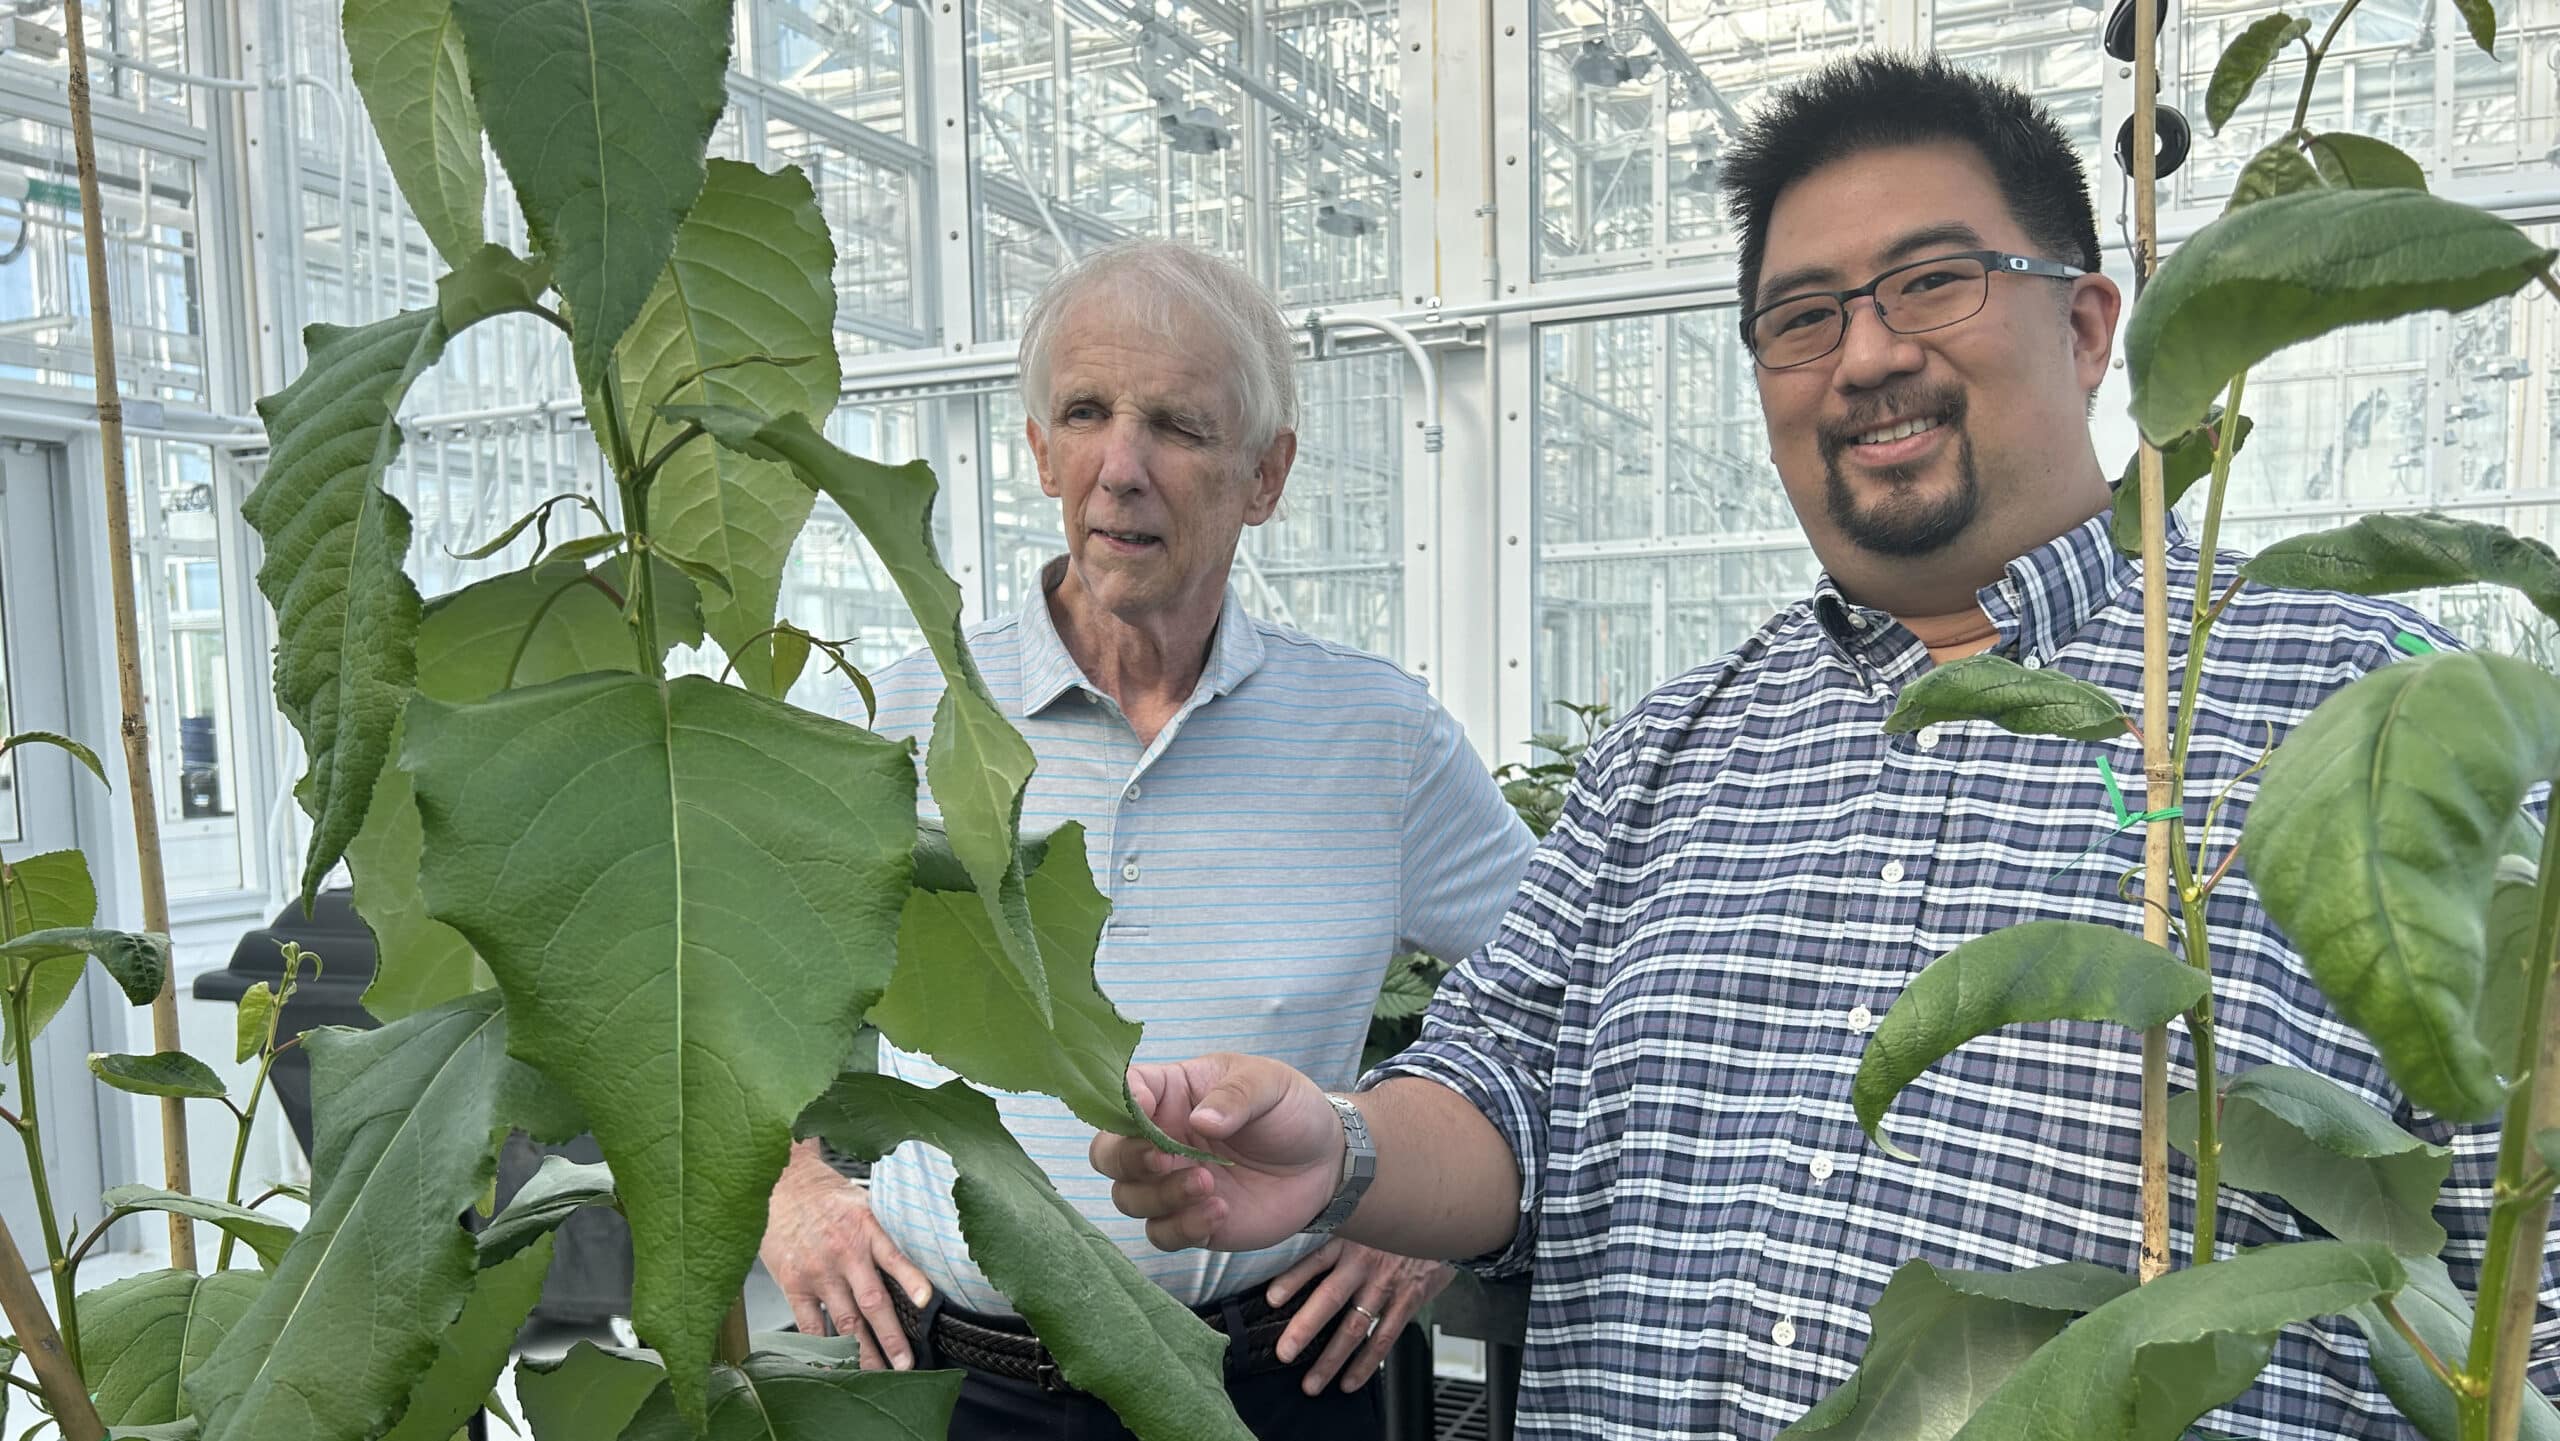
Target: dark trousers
x=999, y=1408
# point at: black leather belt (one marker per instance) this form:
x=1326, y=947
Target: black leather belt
x=1004, y=1345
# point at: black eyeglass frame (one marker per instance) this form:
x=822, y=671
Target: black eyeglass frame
x=1994, y=262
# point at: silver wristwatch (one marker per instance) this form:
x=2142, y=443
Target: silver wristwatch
x=1359, y=1168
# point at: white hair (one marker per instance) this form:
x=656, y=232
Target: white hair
x=1172, y=291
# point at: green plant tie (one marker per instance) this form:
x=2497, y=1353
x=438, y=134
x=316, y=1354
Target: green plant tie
x=2413, y=643
x=2125, y=819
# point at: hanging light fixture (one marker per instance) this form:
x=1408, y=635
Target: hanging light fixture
x=1350, y=219
x=1197, y=131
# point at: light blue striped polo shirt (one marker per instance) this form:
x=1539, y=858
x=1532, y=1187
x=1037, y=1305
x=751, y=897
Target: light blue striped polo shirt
x=1310, y=813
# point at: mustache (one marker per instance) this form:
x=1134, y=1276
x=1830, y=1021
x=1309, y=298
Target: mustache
x=1946, y=402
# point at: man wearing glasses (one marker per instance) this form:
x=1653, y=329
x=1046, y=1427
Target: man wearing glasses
x=1643, y=1083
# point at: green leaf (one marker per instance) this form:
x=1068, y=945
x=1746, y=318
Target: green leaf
x=169, y=1073
x=1114, y=1332
x=337, y=543
x=2482, y=18
x=589, y=1394
x=2304, y=1140
x=2147, y=1364
x=404, y=1140
x=2040, y=971
x=539, y=519
x=1942, y=1341
x=257, y=1015
x=145, y=1335
x=180, y=1430
x=79, y=752
x=790, y=645
x=2237, y=73
x=2374, y=844
x=600, y=114
x=730, y=871
x=2285, y=270
x=45, y=892
x=2514, y=911
x=1409, y=986
x=260, y=1232
x=409, y=67
x=473, y=1351
x=2183, y=462
x=2437, y=1310
x=977, y=764
x=956, y=998
x=558, y=1189
x=2386, y=554
x=2010, y=696
x=137, y=962
x=753, y=274
x=2360, y=162
x=773, y=1396
x=2279, y=169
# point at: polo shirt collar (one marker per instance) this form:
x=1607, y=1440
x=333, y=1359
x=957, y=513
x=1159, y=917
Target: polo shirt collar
x=1050, y=673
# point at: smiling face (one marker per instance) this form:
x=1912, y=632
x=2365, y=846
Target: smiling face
x=1919, y=465
x=1142, y=446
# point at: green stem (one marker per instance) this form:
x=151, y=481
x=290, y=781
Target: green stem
x=2311, y=68
x=2201, y=618
x=2501, y=1327
x=2195, y=941
x=2418, y=1343
x=30, y=1134
x=248, y=1122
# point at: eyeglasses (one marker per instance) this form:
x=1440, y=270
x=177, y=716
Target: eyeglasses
x=1910, y=299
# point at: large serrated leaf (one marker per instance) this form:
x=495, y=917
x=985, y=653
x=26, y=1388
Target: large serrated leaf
x=729, y=870
x=601, y=114
x=589, y=1394
x=260, y=1232
x=2390, y=554
x=2040, y=971
x=2247, y=59
x=2144, y=1366
x=46, y=892
x=2010, y=696
x=2514, y=913
x=404, y=1141
x=2183, y=462
x=138, y=962
x=2303, y=1139
x=2360, y=162
x=2481, y=18
x=144, y=1336
x=473, y=1351
x=558, y=1190
x=337, y=544
x=956, y=999
x=2297, y=266
x=409, y=67
x=2440, y=1314
x=744, y=316
x=770, y=1398
x=1114, y=1332
x=78, y=752
x=1942, y=1341
x=2374, y=843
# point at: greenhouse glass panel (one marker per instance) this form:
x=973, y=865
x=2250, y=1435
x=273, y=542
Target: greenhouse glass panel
x=195, y=683
x=2050, y=49
x=154, y=274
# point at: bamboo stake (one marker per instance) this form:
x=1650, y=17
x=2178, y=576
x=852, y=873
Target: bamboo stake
x=2161, y=792
x=23, y=1305
x=136, y=725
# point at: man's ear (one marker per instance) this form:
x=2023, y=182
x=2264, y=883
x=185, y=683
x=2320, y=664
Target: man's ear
x=1039, y=440
x=2096, y=304
x=1270, y=476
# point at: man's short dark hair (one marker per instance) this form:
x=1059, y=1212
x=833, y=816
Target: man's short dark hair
x=1878, y=99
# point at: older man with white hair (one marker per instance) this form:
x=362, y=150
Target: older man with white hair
x=1274, y=818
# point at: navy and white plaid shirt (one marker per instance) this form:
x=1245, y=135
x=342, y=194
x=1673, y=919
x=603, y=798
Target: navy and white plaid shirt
x=1747, y=873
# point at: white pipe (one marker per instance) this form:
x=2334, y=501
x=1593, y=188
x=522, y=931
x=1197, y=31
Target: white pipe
x=1423, y=363
x=177, y=77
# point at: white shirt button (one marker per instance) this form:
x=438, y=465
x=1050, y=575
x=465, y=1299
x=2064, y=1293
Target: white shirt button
x=1928, y=738
x=1860, y=1018
x=1131, y=793
x=1783, y=1334
x=1128, y=870
x=1819, y=1168
x=2035, y=662
x=1892, y=873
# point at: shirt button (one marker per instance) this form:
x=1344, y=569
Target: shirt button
x=1819, y=1168
x=1928, y=738
x=1892, y=873
x=1131, y=793
x=1128, y=870
x=1860, y=1018
x=2035, y=662
x=1783, y=1334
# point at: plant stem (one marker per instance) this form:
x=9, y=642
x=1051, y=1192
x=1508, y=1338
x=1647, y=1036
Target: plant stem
x=248, y=1121
x=2200, y=619
x=2194, y=940
x=22, y=1384
x=2548, y=282
x=2160, y=788
x=57, y=1371
x=2426, y=1353
x=2311, y=67
x=2491, y=1404
x=30, y=1135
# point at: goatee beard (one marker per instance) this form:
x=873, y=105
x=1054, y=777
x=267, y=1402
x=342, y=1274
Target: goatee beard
x=1901, y=524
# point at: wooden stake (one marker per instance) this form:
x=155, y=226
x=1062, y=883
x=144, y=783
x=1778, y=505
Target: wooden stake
x=23, y=1304
x=136, y=725
x=2161, y=791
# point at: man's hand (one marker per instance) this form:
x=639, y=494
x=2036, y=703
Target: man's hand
x=1374, y=1293
x=826, y=1249
x=1284, y=1139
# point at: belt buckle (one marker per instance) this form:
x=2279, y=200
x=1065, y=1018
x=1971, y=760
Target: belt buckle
x=1045, y=1371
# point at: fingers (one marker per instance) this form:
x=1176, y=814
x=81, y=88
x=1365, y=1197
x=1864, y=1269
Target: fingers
x=1313, y=1264
x=1401, y=1303
x=901, y=1272
x=1361, y=1318
x=1341, y=1270
x=806, y=1313
x=872, y=1305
